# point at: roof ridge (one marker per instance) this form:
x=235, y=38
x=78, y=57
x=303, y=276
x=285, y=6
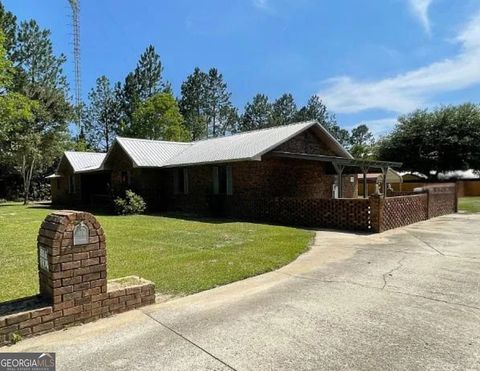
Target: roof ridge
x=156, y=140
x=86, y=152
x=259, y=130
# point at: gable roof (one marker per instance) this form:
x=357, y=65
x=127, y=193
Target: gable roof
x=248, y=146
x=150, y=153
x=84, y=161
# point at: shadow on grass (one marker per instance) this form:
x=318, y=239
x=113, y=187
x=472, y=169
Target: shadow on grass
x=207, y=219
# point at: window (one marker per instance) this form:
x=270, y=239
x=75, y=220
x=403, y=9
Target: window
x=125, y=178
x=222, y=180
x=181, y=181
x=71, y=184
x=59, y=184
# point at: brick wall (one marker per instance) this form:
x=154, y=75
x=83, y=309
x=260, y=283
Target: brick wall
x=393, y=212
x=347, y=214
x=73, y=282
x=442, y=199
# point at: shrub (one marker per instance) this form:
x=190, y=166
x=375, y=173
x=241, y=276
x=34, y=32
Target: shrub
x=131, y=204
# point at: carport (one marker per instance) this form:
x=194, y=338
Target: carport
x=343, y=166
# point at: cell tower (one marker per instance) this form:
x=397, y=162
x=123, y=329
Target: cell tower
x=75, y=5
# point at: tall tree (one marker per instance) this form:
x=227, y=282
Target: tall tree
x=148, y=74
x=444, y=139
x=257, y=114
x=316, y=110
x=144, y=82
x=38, y=75
x=219, y=110
x=361, y=142
x=284, y=111
x=159, y=118
x=8, y=26
x=193, y=103
x=102, y=115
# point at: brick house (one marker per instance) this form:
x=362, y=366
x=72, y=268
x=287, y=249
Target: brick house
x=219, y=175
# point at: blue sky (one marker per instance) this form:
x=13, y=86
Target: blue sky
x=369, y=60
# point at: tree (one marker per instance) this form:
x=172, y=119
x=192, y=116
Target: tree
x=148, y=74
x=102, y=115
x=141, y=84
x=159, y=118
x=218, y=108
x=257, y=114
x=361, y=142
x=40, y=69
x=8, y=26
x=40, y=87
x=284, y=111
x=193, y=103
x=445, y=139
x=316, y=110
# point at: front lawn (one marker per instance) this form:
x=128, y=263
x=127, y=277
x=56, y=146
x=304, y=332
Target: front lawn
x=469, y=204
x=181, y=256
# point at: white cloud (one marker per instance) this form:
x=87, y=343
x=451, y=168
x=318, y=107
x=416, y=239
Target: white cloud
x=420, y=10
x=413, y=89
x=262, y=4
x=378, y=127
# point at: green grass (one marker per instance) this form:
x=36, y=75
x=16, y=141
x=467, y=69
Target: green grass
x=181, y=256
x=469, y=204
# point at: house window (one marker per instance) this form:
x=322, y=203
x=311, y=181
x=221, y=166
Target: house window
x=222, y=180
x=180, y=181
x=71, y=184
x=59, y=184
x=125, y=178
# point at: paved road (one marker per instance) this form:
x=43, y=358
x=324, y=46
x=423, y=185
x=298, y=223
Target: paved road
x=403, y=300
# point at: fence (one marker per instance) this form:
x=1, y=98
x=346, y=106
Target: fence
x=376, y=213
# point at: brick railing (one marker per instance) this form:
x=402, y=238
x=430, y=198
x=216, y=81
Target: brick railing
x=374, y=214
x=347, y=214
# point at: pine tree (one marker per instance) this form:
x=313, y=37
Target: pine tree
x=102, y=116
x=193, y=103
x=38, y=79
x=257, y=114
x=284, y=111
x=316, y=110
x=141, y=84
x=219, y=110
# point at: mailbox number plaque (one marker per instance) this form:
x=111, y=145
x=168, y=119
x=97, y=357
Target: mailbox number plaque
x=80, y=234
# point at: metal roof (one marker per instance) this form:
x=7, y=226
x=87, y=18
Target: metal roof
x=151, y=153
x=247, y=146
x=82, y=161
x=244, y=146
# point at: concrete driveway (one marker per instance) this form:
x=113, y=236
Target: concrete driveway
x=405, y=299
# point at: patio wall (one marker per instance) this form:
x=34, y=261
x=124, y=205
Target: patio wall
x=374, y=214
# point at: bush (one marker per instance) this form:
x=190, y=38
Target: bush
x=131, y=204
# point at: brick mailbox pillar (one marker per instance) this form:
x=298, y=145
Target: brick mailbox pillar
x=72, y=261
x=73, y=281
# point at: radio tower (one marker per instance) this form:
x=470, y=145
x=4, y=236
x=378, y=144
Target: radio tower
x=75, y=5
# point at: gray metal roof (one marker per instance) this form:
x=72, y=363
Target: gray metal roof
x=151, y=153
x=84, y=161
x=245, y=146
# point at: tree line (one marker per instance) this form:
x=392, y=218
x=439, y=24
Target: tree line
x=36, y=112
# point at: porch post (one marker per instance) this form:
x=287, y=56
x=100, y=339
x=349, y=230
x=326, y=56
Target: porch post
x=365, y=185
x=339, y=169
x=385, y=172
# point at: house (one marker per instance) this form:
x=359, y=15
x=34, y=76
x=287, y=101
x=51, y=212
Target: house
x=219, y=175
